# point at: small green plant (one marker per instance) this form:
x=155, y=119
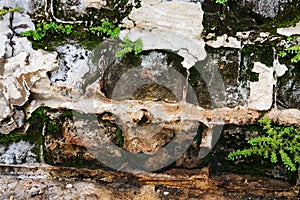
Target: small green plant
x=129, y=46
x=5, y=11
x=291, y=50
x=106, y=28
x=221, y=1
x=277, y=143
x=44, y=29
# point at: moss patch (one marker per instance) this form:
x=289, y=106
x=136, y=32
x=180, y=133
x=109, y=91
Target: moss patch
x=33, y=133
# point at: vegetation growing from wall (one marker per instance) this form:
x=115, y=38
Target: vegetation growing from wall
x=106, y=28
x=277, y=143
x=221, y=1
x=130, y=46
x=47, y=29
x=4, y=11
x=294, y=51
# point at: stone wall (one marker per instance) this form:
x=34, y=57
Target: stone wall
x=203, y=66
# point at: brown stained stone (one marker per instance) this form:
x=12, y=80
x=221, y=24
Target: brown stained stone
x=70, y=136
x=3, y=61
x=49, y=182
x=286, y=117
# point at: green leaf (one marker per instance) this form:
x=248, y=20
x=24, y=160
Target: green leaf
x=274, y=141
x=274, y=157
x=287, y=161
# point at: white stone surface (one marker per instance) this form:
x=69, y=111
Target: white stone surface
x=175, y=26
x=93, y=3
x=74, y=64
x=261, y=92
x=293, y=30
x=28, y=6
x=21, y=70
x=22, y=23
x=225, y=41
x=279, y=69
x=4, y=32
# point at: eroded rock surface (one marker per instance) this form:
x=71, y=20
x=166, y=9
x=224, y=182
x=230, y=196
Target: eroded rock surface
x=153, y=126
x=261, y=92
x=174, y=26
x=21, y=66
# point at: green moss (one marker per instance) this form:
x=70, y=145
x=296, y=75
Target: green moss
x=11, y=138
x=33, y=133
x=260, y=53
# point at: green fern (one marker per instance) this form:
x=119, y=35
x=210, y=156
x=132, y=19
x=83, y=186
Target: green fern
x=277, y=142
x=45, y=29
x=129, y=46
x=291, y=51
x=294, y=50
x=106, y=28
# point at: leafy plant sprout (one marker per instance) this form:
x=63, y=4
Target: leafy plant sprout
x=44, y=29
x=291, y=50
x=278, y=142
x=106, y=28
x=130, y=46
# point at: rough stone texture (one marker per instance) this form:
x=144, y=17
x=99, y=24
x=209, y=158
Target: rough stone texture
x=267, y=8
x=17, y=153
x=293, y=30
x=75, y=70
x=89, y=11
x=224, y=41
x=174, y=26
x=286, y=117
x=288, y=93
x=261, y=92
x=156, y=76
x=226, y=62
x=22, y=69
x=5, y=33
x=48, y=182
x=28, y=6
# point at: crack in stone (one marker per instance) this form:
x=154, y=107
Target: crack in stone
x=10, y=37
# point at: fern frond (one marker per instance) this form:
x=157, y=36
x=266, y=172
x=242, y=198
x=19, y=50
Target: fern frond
x=287, y=161
x=274, y=157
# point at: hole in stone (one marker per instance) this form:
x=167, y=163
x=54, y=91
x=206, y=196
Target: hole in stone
x=146, y=118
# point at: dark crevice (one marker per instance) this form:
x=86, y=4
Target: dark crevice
x=11, y=36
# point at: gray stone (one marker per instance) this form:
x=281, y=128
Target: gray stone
x=74, y=65
x=5, y=32
x=267, y=8
x=22, y=23
x=17, y=153
x=28, y=6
